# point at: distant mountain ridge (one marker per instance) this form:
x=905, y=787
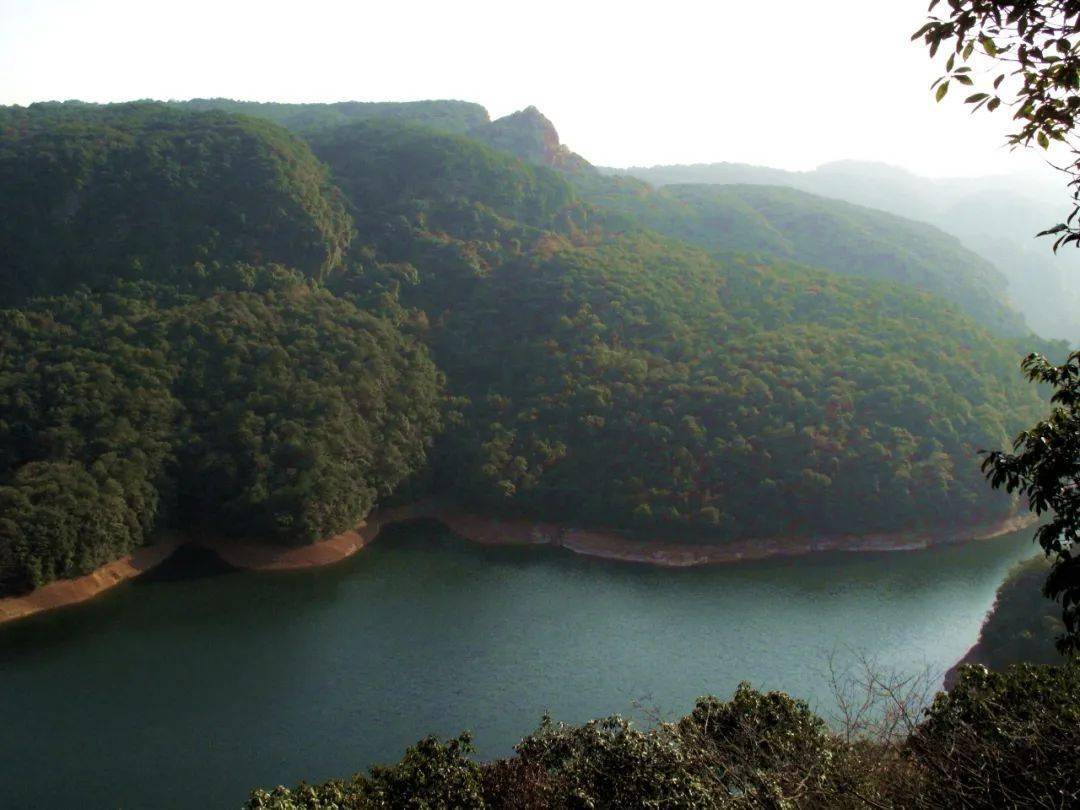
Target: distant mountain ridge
x=859, y=242
x=996, y=217
x=848, y=239
x=445, y=115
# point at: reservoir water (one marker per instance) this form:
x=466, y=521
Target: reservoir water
x=192, y=685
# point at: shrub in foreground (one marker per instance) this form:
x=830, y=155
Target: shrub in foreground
x=1004, y=739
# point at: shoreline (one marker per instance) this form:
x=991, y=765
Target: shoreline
x=972, y=656
x=674, y=554
x=486, y=531
x=250, y=556
x=64, y=592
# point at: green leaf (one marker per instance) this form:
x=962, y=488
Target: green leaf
x=922, y=31
x=1050, y=231
x=1044, y=142
x=975, y=97
x=943, y=88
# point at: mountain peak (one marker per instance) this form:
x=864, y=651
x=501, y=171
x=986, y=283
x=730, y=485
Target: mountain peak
x=872, y=168
x=530, y=135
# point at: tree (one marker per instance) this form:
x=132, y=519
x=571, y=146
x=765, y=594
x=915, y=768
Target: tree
x=1045, y=466
x=1022, y=55
x=1001, y=739
x=1031, y=48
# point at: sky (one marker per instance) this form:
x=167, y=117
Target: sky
x=786, y=83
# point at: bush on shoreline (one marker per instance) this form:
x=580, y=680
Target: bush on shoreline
x=1003, y=739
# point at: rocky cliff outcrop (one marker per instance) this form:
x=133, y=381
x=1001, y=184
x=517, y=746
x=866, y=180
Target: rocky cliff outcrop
x=533, y=138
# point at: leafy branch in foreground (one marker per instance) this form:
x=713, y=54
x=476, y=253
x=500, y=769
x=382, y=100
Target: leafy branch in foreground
x=1045, y=466
x=1024, y=56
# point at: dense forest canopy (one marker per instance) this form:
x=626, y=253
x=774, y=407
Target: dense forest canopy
x=995, y=740
x=617, y=377
x=93, y=194
x=1023, y=624
x=279, y=411
x=810, y=230
x=384, y=167
x=817, y=231
x=446, y=116
x=994, y=217
x=648, y=385
x=228, y=328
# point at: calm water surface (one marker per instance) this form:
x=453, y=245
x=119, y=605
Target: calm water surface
x=190, y=686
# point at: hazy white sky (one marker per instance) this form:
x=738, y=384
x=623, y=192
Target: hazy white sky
x=786, y=83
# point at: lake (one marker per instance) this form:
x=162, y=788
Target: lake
x=194, y=684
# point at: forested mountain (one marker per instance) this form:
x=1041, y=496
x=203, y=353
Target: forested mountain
x=820, y=232
x=995, y=217
x=447, y=116
x=779, y=222
x=165, y=382
x=94, y=194
x=229, y=329
x=844, y=238
x=275, y=410
x=617, y=377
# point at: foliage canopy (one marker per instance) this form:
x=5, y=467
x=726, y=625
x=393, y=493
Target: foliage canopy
x=1023, y=56
x=292, y=347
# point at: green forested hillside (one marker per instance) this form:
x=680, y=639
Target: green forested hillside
x=817, y=231
x=777, y=220
x=226, y=329
x=92, y=194
x=859, y=242
x=164, y=382
x=301, y=411
x=386, y=167
x=280, y=412
x=446, y=116
x=1023, y=624
x=996, y=217
x=87, y=425
x=643, y=384
x=617, y=377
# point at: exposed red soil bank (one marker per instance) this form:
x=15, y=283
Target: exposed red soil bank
x=72, y=591
x=485, y=531
x=613, y=546
x=262, y=557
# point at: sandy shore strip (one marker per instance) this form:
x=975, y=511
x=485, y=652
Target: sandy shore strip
x=72, y=591
x=488, y=531
x=253, y=556
x=671, y=554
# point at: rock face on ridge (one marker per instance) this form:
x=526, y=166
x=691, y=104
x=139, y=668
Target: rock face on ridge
x=532, y=137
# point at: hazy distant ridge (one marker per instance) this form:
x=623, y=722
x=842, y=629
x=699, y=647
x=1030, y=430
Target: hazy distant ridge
x=996, y=217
